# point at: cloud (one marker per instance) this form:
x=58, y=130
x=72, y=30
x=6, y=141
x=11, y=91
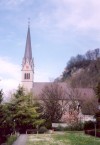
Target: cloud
x=75, y=14
x=57, y=15
x=9, y=74
x=14, y=5
x=79, y=15
x=11, y=3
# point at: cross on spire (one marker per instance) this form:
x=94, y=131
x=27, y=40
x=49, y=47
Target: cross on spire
x=28, y=22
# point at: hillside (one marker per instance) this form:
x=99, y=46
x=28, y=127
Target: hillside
x=82, y=70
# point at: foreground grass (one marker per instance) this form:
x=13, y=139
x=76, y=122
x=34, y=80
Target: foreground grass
x=11, y=139
x=62, y=139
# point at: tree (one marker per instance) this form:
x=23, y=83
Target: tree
x=83, y=70
x=1, y=112
x=97, y=53
x=1, y=96
x=21, y=112
x=74, y=106
x=80, y=101
x=53, y=97
x=97, y=91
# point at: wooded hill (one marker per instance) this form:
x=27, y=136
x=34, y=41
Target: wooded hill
x=82, y=70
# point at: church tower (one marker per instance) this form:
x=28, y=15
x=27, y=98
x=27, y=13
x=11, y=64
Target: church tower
x=28, y=65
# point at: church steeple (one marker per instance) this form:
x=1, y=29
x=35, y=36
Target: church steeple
x=28, y=64
x=28, y=49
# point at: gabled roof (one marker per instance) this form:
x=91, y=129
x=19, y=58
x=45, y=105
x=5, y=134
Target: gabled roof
x=82, y=93
x=86, y=96
x=28, y=49
x=39, y=86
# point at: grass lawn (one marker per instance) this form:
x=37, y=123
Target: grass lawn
x=60, y=138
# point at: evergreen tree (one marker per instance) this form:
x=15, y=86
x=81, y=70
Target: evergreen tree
x=24, y=112
x=1, y=96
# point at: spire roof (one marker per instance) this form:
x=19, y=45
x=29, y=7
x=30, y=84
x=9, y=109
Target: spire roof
x=28, y=49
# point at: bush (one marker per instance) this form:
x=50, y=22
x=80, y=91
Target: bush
x=48, y=124
x=11, y=139
x=59, y=128
x=42, y=129
x=92, y=132
x=3, y=138
x=31, y=131
x=89, y=125
x=75, y=127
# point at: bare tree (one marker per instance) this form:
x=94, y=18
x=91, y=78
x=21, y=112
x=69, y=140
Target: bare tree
x=81, y=101
x=74, y=106
x=53, y=102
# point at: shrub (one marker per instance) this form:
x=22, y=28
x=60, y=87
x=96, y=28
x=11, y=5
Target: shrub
x=42, y=129
x=48, y=124
x=92, y=132
x=89, y=125
x=3, y=138
x=78, y=127
x=59, y=128
x=31, y=131
x=75, y=127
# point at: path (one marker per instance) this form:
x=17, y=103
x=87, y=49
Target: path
x=21, y=140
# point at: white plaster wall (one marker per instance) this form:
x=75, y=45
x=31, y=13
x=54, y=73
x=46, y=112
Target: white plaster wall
x=27, y=86
x=27, y=83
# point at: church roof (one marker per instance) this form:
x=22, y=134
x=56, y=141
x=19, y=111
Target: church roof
x=39, y=86
x=28, y=49
x=84, y=95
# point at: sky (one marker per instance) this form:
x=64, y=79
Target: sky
x=59, y=29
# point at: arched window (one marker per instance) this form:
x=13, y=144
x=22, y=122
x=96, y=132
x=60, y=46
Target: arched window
x=25, y=76
x=29, y=76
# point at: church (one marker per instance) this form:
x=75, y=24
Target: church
x=84, y=113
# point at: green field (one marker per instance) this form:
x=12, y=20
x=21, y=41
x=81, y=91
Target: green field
x=65, y=138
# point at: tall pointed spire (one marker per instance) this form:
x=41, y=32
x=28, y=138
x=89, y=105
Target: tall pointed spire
x=28, y=64
x=28, y=49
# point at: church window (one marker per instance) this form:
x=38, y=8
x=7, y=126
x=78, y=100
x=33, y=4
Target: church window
x=25, y=76
x=29, y=76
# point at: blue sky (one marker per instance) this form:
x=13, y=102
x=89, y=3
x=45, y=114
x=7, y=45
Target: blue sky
x=60, y=29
